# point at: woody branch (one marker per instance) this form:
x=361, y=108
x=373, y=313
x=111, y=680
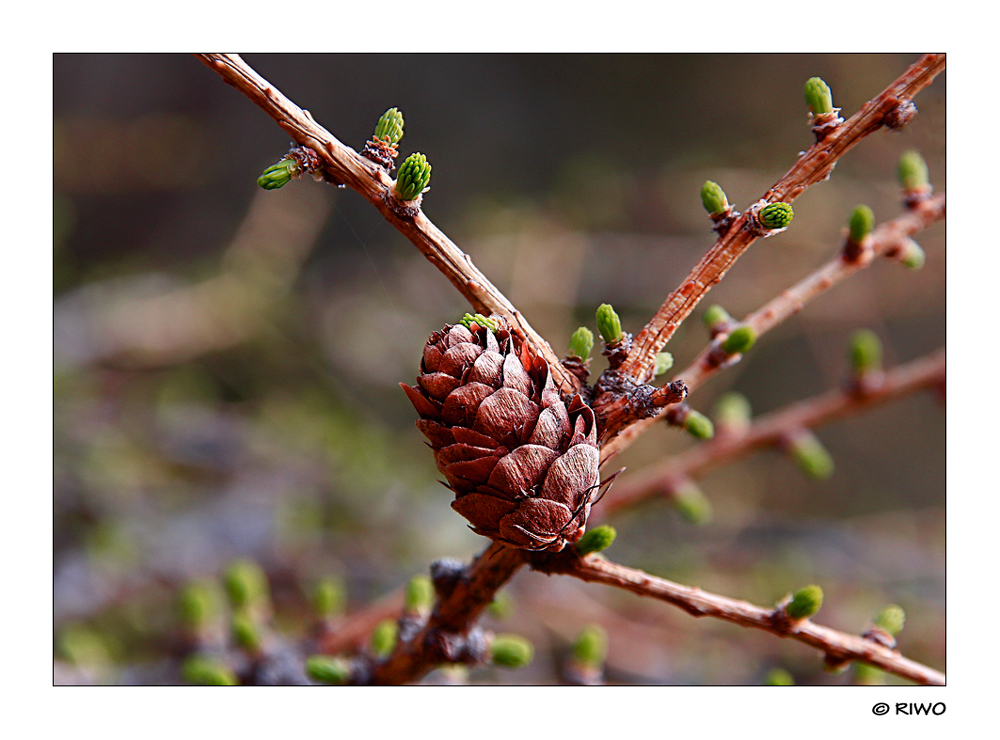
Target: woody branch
x=813, y=166
x=883, y=241
x=343, y=165
x=772, y=429
x=838, y=646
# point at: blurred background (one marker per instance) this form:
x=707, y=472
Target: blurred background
x=227, y=359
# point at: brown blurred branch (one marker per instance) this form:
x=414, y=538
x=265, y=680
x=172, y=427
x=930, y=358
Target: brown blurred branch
x=839, y=646
x=771, y=429
x=343, y=165
x=814, y=166
x=887, y=237
x=443, y=637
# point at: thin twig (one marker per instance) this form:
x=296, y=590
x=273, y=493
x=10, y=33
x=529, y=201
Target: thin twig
x=770, y=429
x=812, y=167
x=343, y=165
x=837, y=645
x=886, y=237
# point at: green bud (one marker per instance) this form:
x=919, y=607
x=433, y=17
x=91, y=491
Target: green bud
x=912, y=255
x=581, y=343
x=245, y=632
x=891, y=619
x=468, y=320
x=279, y=174
x=511, y=651
x=691, y=503
x=597, y=539
x=246, y=584
x=868, y=675
x=913, y=172
x=732, y=412
x=202, y=671
x=716, y=316
x=811, y=456
x=414, y=177
x=200, y=604
x=328, y=669
x=329, y=598
x=776, y=215
x=384, y=638
x=740, y=339
x=501, y=606
x=805, y=602
x=778, y=677
x=591, y=646
x=698, y=425
x=713, y=198
x=390, y=126
x=664, y=361
x=419, y=594
x=865, y=352
x=83, y=647
x=818, y=96
x=861, y=224
x=608, y=324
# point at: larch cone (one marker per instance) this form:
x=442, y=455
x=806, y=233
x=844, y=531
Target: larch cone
x=523, y=464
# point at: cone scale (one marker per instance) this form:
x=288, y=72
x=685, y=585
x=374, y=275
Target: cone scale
x=522, y=463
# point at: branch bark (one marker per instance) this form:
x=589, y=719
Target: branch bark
x=837, y=645
x=442, y=638
x=771, y=429
x=812, y=167
x=343, y=165
x=884, y=239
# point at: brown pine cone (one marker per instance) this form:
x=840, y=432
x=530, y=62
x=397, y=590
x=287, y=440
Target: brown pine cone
x=523, y=465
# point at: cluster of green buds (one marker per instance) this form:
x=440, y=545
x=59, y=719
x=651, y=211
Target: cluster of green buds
x=329, y=599
x=804, y=603
x=909, y=253
x=413, y=179
x=914, y=178
x=713, y=198
x=279, y=174
x=768, y=219
x=732, y=414
x=865, y=355
x=739, y=340
x=809, y=454
x=510, y=651
x=469, y=319
x=694, y=422
x=419, y=595
x=822, y=114
x=382, y=148
x=609, y=325
x=328, y=669
x=383, y=638
x=664, y=361
x=778, y=677
x=691, y=503
x=717, y=320
x=299, y=160
x=858, y=245
x=577, y=359
x=204, y=671
x=590, y=650
x=200, y=607
x=250, y=598
x=597, y=539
